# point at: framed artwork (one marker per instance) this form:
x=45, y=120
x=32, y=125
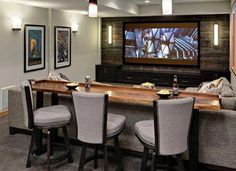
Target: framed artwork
x=62, y=47
x=34, y=47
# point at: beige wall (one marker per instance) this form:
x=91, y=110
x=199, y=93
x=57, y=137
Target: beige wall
x=233, y=80
x=84, y=44
x=233, y=76
x=11, y=43
x=12, y=46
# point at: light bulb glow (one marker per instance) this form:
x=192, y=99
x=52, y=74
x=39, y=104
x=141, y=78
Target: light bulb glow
x=110, y=35
x=216, y=34
x=93, y=10
x=16, y=23
x=74, y=27
x=167, y=7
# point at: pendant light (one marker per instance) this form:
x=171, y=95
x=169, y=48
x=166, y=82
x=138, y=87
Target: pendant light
x=93, y=8
x=167, y=7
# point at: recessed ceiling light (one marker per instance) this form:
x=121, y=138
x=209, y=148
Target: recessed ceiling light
x=147, y=1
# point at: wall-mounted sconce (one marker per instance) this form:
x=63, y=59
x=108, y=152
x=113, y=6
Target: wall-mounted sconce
x=166, y=7
x=110, y=35
x=16, y=23
x=93, y=8
x=216, y=34
x=74, y=27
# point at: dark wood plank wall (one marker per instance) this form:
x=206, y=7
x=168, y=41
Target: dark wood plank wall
x=211, y=57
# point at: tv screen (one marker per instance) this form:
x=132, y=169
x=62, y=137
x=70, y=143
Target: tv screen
x=171, y=43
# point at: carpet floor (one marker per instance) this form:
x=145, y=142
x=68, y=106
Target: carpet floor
x=14, y=149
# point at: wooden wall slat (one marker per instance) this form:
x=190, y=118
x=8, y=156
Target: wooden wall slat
x=210, y=56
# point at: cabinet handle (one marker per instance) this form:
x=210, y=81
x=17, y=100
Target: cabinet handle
x=216, y=76
x=155, y=79
x=105, y=70
x=129, y=78
x=185, y=81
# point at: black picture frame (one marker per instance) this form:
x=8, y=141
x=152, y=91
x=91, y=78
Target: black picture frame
x=62, y=47
x=34, y=47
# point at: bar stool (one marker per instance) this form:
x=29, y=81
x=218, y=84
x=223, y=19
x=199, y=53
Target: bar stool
x=95, y=126
x=45, y=118
x=167, y=133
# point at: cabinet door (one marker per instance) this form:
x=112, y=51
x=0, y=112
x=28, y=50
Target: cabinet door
x=129, y=77
x=105, y=73
x=213, y=75
x=188, y=81
x=157, y=79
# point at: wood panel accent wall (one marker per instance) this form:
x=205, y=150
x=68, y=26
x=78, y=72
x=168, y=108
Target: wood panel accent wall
x=211, y=57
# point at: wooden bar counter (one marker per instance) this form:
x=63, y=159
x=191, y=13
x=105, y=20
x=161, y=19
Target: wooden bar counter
x=136, y=105
x=125, y=94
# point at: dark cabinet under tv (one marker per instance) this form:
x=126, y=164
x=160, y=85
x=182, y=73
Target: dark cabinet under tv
x=129, y=77
x=116, y=74
x=106, y=73
x=158, y=79
x=208, y=75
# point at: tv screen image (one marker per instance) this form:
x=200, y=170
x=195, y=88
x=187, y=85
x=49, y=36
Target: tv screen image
x=162, y=43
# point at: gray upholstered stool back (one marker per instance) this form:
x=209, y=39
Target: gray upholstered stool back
x=173, y=122
x=28, y=106
x=91, y=116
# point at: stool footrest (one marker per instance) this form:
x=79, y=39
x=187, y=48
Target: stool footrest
x=101, y=156
x=53, y=160
x=93, y=157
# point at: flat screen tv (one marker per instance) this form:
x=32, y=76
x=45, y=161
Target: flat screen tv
x=162, y=43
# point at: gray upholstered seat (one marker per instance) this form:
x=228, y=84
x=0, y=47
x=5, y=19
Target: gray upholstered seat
x=115, y=123
x=145, y=131
x=45, y=118
x=90, y=110
x=52, y=115
x=167, y=133
x=95, y=126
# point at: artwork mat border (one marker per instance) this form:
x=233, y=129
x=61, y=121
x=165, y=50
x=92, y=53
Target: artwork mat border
x=68, y=64
x=42, y=66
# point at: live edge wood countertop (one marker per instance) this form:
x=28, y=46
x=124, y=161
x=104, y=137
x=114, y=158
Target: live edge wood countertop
x=127, y=94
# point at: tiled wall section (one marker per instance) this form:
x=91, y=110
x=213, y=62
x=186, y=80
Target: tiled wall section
x=211, y=56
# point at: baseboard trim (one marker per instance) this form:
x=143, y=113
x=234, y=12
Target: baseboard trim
x=127, y=152
x=3, y=113
x=215, y=168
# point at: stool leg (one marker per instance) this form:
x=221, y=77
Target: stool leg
x=82, y=157
x=67, y=143
x=48, y=149
x=153, y=168
x=180, y=163
x=144, y=160
x=95, y=164
x=105, y=158
x=53, y=133
x=170, y=163
x=28, y=164
x=117, y=148
x=39, y=141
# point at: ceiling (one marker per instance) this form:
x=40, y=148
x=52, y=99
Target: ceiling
x=142, y=2
x=109, y=8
